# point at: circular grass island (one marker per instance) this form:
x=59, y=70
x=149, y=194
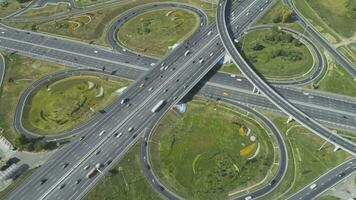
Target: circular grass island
x=210, y=150
x=276, y=55
x=155, y=32
x=67, y=103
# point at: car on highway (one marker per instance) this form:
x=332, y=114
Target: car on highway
x=65, y=165
x=86, y=167
x=78, y=181
x=102, y=132
x=81, y=138
x=62, y=186
x=124, y=100
x=312, y=186
x=130, y=129
x=43, y=181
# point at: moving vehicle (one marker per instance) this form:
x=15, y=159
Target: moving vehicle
x=124, y=100
x=158, y=106
x=102, y=132
x=187, y=53
x=130, y=129
x=313, y=186
x=91, y=173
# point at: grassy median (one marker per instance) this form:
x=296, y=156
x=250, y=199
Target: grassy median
x=308, y=157
x=277, y=55
x=94, y=31
x=210, y=150
x=156, y=32
x=67, y=103
x=20, y=73
x=340, y=14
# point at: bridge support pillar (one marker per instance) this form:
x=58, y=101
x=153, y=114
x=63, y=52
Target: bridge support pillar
x=256, y=91
x=227, y=58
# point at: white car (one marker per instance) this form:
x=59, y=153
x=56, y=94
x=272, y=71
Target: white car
x=313, y=186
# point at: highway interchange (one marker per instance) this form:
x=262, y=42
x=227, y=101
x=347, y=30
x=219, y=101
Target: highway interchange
x=130, y=65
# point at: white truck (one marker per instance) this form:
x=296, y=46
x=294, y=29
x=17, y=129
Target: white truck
x=157, y=106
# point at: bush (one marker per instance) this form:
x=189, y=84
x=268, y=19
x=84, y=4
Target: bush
x=23, y=1
x=4, y=4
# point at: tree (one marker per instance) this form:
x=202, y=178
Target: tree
x=285, y=14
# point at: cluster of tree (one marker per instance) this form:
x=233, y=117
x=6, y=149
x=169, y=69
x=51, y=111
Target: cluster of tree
x=4, y=3
x=351, y=8
x=23, y=143
x=23, y=1
x=284, y=15
x=277, y=36
x=288, y=55
x=145, y=27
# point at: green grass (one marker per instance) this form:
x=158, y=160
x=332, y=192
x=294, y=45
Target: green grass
x=12, y=6
x=335, y=14
x=127, y=181
x=45, y=11
x=95, y=31
x=68, y=102
x=85, y=3
x=352, y=47
x=347, y=53
x=316, y=21
x=198, y=153
x=271, y=14
x=16, y=183
x=296, y=62
x=154, y=32
x=230, y=68
x=336, y=80
x=305, y=161
x=20, y=73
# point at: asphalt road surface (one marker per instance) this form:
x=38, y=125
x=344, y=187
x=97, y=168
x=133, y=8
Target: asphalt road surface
x=66, y=167
x=269, y=92
x=2, y=69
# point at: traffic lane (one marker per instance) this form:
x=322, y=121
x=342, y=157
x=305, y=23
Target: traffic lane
x=326, y=181
x=2, y=69
x=342, y=120
x=188, y=74
x=271, y=94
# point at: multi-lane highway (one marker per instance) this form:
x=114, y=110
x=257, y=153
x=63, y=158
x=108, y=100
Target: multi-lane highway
x=349, y=67
x=326, y=181
x=64, y=174
x=170, y=85
x=268, y=91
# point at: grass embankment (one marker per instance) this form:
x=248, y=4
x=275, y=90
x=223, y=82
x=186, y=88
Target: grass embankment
x=9, y=6
x=125, y=181
x=305, y=161
x=49, y=9
x=155, y=32
x=336, y=80
x=207, y=152
x=100, y=20
x=304, y=8
x=20, y=73
x=69, y=102
x=277, y=55
x=339, y=15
